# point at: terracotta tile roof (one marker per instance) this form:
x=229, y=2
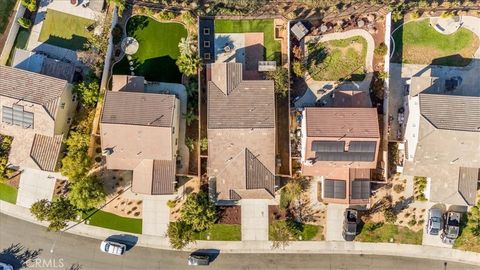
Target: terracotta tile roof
x=45, y=151
x=451, y=112
x=32, y=87
x=342, y=122
x=242, y=104
x=145, y=109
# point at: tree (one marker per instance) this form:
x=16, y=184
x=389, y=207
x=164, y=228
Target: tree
x=280, y=80
x=86, y=193
x=390, y=216
x=298, y=69
x=77, y=141
x=57, y=212
x=31, y=5
x=397, y=15
x=198, y=211
x=188, y=64
x=120, y=5
x=24, y=22
x=76, y=165
x=190, y=143
x=290, y=192
x=190, y=116
x=381, y=49
x=180, y=234
x=87, y=92
x=279, y=234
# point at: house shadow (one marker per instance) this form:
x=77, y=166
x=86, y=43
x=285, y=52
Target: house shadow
x=128, y=240
x=159, y=69
x=76, y=43
x=18, y=256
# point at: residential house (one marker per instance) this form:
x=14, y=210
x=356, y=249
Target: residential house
x=139, y=132
x=37, y=111
x=442, y=140
x=241, y=134
x=340, y=149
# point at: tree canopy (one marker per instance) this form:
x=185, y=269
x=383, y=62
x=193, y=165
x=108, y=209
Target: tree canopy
x=86, y=193
x=57, y=212
x=198, y=211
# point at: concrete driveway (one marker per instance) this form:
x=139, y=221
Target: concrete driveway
x=156, y=214
x=335, y=222
x=35, y=185
x=254, y=219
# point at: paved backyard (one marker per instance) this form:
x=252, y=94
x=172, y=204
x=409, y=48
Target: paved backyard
x=36, y=185
x=254, y=219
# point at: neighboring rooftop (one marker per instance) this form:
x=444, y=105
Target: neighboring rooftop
x=31, y=87
x=342, y=122
x=299, y=30
x=145, y=109
x=127, y=83
x=236, y=103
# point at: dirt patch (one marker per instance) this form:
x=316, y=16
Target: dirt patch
x=229, y=215
x=276, y=213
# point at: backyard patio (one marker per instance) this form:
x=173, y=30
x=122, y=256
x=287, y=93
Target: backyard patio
x=156, y=56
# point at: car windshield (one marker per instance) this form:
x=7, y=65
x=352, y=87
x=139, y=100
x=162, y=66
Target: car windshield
x=435, y=219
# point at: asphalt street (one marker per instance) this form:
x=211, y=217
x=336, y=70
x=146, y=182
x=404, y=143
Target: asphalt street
x=24, y=243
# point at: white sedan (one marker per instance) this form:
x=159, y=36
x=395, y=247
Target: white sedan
x=113, y=247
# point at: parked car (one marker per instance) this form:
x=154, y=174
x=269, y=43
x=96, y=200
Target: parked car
x=4, y=266
x=435, y=221
x=451, y=228
x=198, y=259
x=350, y=224
x=114, y=248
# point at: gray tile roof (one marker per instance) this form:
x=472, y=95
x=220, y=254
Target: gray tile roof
x=32, y=87
x=163, y=178
x=45, y=151
x=451, y=112
x=467, y=184
x=145, y=109
x=250, y=104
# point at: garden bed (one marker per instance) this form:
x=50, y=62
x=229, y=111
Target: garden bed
x=419, y=43
x=229, y=214
x=337, y=60
x=156, y=55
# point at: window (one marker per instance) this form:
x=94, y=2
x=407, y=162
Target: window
x=206, y=56
x=206, y=43
x=62, y=106
x=173, y=130
x=206, y=31
x=176, y=141
x=17, y=116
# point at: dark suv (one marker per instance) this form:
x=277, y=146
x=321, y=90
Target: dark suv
x=350, y=224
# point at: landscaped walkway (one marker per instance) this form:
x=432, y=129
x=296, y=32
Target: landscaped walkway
x=311, y=95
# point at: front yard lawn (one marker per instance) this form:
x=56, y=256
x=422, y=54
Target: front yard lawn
x=382, y=233
x=337, y=60
x=272, y=47
x=6, y=8
x=157, y=52
x=114, y=222
x=469, y=238
x=419, y=43
x=305, y=232
x=221, y=232
x=8, y=193
x=65, y=30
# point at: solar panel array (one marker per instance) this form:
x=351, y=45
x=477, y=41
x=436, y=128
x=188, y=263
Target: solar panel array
x=360, y=189
x=335, y=189
x=335, y=151
x=17, y=116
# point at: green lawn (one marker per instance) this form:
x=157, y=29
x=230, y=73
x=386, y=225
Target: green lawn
x=221, y=232
x=273, y=49
x=65, y=30
x=468, y=228
x=338, y=60
x=385, y=232
x=418, y=43
x=114, y=222
x=8, y=193
x=6, y=8
x=307, y=232
x=158, y=50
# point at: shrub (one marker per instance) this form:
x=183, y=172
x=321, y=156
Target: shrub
x=412, y=222
x=190, y=143
x=117, y=34
x=298, y=69
x=171, y=203
x=179, y=234
x=88, y=93
x=57, y=213
x=166, y=15
x=280, y=79
x=398, y=188
x=381, y=49
x=389, y=215
x=25, y=23
x=447, y=14
x=279, y=235
x=31, y=5
x=414, y=15
x=188, y=18
x=198, y=211
x=203, y=144
x=397, y=15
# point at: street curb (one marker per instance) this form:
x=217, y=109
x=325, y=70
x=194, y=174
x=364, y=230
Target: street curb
x=311, y=247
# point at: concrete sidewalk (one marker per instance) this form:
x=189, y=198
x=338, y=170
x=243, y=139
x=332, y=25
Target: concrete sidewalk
x=313, y=247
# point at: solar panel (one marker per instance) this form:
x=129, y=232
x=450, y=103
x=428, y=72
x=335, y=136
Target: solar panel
x=335, y=189
x=360, y=189
x=328, y=146
x=17, y=116
x=362, y=146
x=344, y=156
x=7, y=115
